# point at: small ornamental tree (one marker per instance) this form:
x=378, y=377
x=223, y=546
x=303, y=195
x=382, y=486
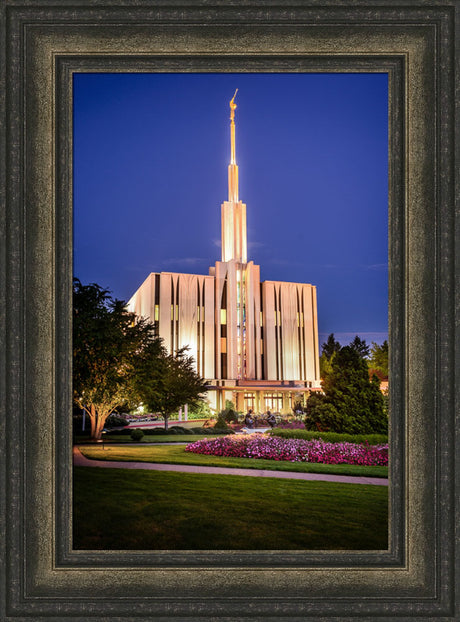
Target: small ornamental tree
x=169, y=383
x=109, y=343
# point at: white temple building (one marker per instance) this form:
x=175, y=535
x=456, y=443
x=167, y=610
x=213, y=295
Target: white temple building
x=256, y=343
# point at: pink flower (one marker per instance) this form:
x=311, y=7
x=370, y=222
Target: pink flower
x=293, y=450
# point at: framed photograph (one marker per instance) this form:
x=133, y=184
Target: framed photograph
x=46, y=47
x=160, y=162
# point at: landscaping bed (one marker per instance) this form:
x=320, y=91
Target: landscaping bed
x=292, y=450
x=332, y=437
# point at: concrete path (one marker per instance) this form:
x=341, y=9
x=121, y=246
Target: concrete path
x=80, y=460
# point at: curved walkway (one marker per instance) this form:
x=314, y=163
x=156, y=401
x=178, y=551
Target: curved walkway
x=80, y=460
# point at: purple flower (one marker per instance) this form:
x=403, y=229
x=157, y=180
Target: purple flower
x=293, y=450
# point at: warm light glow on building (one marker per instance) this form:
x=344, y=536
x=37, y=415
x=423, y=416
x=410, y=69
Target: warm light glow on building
x=255, y=342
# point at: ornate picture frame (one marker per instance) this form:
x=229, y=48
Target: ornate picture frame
x=44, y=45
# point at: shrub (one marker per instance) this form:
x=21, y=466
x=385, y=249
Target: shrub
x=200, y=410
x=229, y=415
x=211, y=431
x=221, y=423
x=115, y=421
x=178, y=429
x=326, y=417
x=156, y=431
x=192, y=415
x=137, y=434
x=117, y=432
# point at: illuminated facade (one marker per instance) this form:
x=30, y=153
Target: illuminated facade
x=256, y=343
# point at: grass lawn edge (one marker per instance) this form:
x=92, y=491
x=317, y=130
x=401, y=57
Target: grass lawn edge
x=186, y=459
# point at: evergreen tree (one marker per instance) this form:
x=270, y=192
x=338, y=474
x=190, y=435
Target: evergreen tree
x=360, y=346
x=330, y=347
x=350, y=402
x=378, y=360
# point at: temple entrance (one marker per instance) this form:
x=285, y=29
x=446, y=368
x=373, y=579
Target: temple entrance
x=273, y=402
x=249, y=402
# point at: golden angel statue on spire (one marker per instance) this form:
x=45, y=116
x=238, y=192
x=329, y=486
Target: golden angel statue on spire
x=233, y=106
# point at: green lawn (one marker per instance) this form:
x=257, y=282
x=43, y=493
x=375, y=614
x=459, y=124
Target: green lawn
x=150, y=510
x=174, y=454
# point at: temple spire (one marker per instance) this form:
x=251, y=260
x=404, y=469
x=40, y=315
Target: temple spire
x=234, y=246
x=233, y=168
x=232, y=128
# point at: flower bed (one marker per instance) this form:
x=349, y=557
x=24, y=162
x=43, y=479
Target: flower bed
x=292, y=450
x=296, y=424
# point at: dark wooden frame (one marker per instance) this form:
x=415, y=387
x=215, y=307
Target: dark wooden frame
x=45, y=42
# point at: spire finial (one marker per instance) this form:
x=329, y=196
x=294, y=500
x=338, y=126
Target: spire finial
x=233, y=168
x=233, y=106
x=232, y=128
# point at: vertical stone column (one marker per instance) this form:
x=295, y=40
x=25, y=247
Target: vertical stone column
x=257, y=405
x=286, y=401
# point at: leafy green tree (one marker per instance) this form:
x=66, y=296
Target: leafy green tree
x=378, y=359
x=109, y=343
x=351, y=402
x=167, y=383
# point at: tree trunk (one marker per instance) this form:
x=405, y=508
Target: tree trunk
x=166, y=417
x=98, y=420
x=100, y=426
x=93, y=419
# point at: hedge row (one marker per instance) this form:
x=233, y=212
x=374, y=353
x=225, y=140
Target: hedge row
x=175, y=429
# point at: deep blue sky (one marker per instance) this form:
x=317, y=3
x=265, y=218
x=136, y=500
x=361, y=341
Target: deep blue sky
x=150, y=173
